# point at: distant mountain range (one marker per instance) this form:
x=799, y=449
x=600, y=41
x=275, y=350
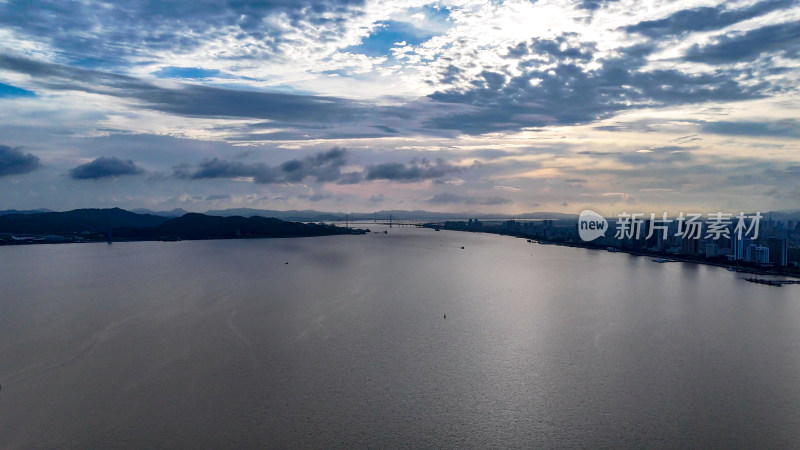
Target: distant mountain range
x=24, y=211
x=77, y=221
x=301, y=216
x=177, y=212
x=97, y=224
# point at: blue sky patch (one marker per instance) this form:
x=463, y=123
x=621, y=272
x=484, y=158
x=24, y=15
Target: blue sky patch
x=435, y=14
x=386, y=35
x=6, y=90
x=193, y=73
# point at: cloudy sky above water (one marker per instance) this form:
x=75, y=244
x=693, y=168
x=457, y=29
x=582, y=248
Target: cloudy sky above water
x=491, y=106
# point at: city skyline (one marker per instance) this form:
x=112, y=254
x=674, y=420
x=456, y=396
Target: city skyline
x=499, y=107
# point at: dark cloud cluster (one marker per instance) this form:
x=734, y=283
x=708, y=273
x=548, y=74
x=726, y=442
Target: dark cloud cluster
x=706, y=18
x=565, y=94
x=287, y=116
x=570, y=93
x=322, y=167
x=95, y=34
x=416, y=171
x=558, y=49
x=784, y=128
x=782, y=39
x=104, y=167
x=14, y=162
x=190, y=99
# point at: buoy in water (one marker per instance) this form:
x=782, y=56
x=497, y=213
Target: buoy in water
x=445, y=316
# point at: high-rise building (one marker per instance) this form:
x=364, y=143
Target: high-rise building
x=793, y=256
x=778, y=251
x=690, y=246
x=656, y=240
x=739, y=247
x=757, y=254
x=762, y=255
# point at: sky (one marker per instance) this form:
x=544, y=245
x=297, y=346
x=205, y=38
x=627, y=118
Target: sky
x=359, y=105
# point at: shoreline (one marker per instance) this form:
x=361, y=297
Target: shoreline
x=660, y=255
x=24, y=242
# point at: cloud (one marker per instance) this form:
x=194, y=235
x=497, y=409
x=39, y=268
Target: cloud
x=14, y=162
x=316, y=197
x=566, y=93
x=416, y=171
x=783, y=39
x=494, y=201
x=594, y=4
x=664, y=155
x=560, y=48
x=105, y=167
x=216, y=168
x=491, y=154
x=780, y=129
x=191, y=100
x=506, y=188
x=446, y=197
x=325, y=166
x=322, y=167
x=286, y=116
x=90, y=34
x=704, y=19
x=569, y=93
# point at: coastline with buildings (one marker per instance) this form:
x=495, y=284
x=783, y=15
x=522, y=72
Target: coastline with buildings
x=776, y=251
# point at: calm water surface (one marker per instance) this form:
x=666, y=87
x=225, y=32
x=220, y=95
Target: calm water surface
x=221, y=343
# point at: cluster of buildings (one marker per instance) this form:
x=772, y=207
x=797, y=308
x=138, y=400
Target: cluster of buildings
x=777, y=243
